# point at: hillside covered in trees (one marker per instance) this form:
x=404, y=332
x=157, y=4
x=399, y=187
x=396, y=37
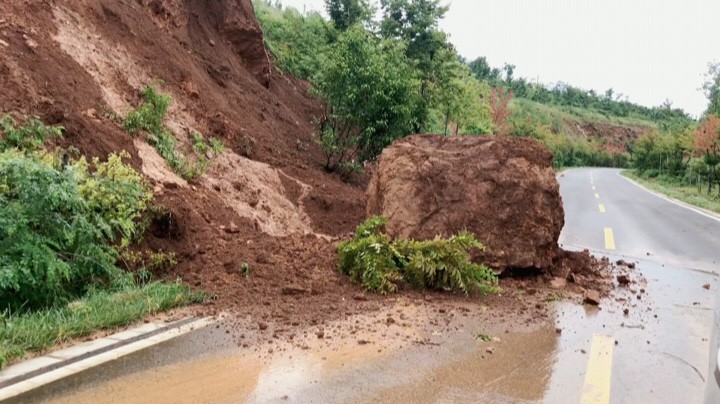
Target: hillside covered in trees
x=409, y=78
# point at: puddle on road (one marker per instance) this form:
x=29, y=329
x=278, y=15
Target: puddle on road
x=395, y=363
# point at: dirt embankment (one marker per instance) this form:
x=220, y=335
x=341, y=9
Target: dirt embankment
x=617, y=138
x=266, y=202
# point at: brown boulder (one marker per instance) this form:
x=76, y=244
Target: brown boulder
x=501, y=189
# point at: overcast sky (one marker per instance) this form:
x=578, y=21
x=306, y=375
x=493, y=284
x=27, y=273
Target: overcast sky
x=648, y=50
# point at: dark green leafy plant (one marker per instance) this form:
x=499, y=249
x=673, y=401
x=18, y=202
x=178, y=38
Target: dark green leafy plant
x=379, y=263
x=29, y=136
x=55, y=246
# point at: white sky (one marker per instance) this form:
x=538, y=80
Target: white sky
x=648, y=50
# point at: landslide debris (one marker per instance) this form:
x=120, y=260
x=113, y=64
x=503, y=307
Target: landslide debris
x=501, y=189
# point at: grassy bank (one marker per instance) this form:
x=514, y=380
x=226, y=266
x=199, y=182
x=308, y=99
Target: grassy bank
x=678, y=190
x=36, y=331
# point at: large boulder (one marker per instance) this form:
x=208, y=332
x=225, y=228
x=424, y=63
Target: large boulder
x=503, y=190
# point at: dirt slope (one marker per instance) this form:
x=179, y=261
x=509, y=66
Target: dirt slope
x=265, y=202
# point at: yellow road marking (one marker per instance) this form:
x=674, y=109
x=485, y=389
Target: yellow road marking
x=602, y=208
x=599, y=371
x=597, y=196
x=609, y=239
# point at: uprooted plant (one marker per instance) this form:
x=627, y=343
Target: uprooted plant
x=379, y=263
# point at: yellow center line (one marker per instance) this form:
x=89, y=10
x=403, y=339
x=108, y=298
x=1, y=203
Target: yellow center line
x=609, y=239
x=599, y=371
x=597, y=196
x=602, y=208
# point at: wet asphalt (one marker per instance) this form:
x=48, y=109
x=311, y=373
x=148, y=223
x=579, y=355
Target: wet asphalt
x=660, y=351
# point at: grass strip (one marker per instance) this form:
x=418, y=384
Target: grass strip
x=678, y=190
x=36, y=331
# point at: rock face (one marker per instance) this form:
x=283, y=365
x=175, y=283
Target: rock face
x=502, y=189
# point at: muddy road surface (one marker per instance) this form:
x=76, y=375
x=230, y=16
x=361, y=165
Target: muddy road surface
x=647, y=342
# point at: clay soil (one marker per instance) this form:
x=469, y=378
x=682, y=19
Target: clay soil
x=83, y=64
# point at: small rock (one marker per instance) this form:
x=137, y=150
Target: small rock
x=706, y=286
x=232, y=229
x=262, y=325
x=390, y=320
x=490, y=350
x=623, y=280
x=360, y=297
x=292, y=289
x=592, y=297
x=363, y=342
x=321, y=333
x=558, y=283
x=558, y=330
x=626, y=311
x=631, y=265
x=571, y=278
x=582, y=351
x=170, y=185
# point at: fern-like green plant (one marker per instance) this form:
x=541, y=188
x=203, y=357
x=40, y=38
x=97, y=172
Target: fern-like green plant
x=372, y=259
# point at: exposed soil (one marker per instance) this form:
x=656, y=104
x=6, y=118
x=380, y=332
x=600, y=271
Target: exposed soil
x=258, y=230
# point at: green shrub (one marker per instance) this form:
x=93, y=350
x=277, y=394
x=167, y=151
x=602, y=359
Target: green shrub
x=58, y=226
x=54, y=246
x=150, y=114
x=29, y=136
x=379, y=263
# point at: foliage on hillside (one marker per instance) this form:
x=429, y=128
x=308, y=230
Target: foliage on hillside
x=401, y=71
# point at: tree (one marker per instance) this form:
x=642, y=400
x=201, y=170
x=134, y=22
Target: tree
x=480, y=68
x=346, y=13
x=712, y=89
x=370, y=92
x=416, y=23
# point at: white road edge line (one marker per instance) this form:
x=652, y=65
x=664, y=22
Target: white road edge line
x=671, y=200
x=95, y=360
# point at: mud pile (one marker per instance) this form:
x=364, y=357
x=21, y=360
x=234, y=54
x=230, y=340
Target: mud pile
x=501, y=189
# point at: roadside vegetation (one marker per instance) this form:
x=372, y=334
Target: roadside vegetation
x=380, y=263
x=684, y=162
x=64, y=222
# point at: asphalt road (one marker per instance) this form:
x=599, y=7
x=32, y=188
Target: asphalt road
x=656, y=353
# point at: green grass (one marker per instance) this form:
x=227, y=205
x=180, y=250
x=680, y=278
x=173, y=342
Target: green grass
x=679, y=191
x=550, y=113
x=36, y=331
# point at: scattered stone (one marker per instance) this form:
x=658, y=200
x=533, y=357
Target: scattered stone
x=363, y=342
x=558, y=330
x=232, y=229
x=262, y=325
x=558, y=283
x=592, y=297
x=631, y=265
x=292, y=289
x=390, y=320
x=706, y=286
x=623, y=280
x=626, y=311
x=360, y=297
x=490, y=350
x=320, y=334
x=582, y=351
